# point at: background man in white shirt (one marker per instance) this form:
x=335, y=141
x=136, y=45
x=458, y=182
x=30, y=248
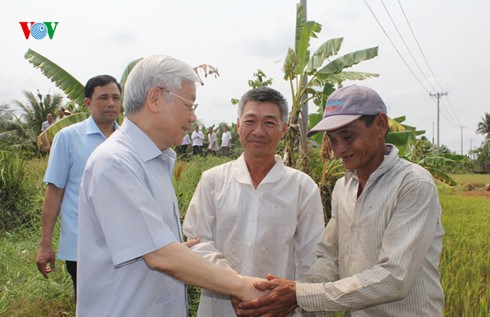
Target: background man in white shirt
x=197, y=138
x=379, y=255
x=213, y=141
x=225, y=141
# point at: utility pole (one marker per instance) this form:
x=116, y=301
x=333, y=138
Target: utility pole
x=462, y=138
x=471, y=149
x=432, y=138
x=304, y=111
x=438, y=96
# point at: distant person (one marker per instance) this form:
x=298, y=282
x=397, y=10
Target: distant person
x=185, y=143
x=132, y=261
x=213, y=142
x=255, y=215
x=49, y=121
x=225, y=141
x=379, y=254
x=71, y=148
x=197, y=141
x=62, y=112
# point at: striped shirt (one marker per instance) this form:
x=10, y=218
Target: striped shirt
x=379, y=254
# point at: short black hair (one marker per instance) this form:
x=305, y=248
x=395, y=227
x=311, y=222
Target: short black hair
x=369, y=120
x=100, y=80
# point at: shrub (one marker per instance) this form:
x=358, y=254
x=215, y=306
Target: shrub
x=19, y=191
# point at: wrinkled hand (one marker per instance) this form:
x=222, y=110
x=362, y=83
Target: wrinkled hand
x=280, y=299
x=45, y=260
x=235, y=301
x=249, y=290
x=192, y=242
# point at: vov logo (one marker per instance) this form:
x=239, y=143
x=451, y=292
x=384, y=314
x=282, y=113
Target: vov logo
x=39, y=30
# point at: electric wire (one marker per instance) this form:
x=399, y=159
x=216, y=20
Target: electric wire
x=396, y=49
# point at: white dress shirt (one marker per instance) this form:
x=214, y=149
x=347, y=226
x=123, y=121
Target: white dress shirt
x=272, y=229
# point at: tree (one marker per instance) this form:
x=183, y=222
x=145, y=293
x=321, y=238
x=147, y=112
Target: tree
x=14, y=134
x=305, y=74
x=75, y=90
x=484, y=126
x=36, y=109
x=260, y=80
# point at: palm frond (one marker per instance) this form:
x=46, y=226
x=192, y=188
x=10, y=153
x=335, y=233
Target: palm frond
x=61, y=78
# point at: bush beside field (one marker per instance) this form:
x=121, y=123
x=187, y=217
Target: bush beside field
x=24, y=292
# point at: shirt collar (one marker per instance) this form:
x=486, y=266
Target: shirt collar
x=144, y=145
x=243, y=175
x=388, y=161
x=93, y=128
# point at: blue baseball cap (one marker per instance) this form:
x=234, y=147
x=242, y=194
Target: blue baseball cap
x=348, y=104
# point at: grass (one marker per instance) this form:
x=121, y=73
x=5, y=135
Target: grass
x=24, y=292
x=479, y=180
x=464, y=260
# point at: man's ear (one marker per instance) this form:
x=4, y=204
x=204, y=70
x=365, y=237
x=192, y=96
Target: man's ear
x=153, y=98
x=88, y=103
x=381, y=123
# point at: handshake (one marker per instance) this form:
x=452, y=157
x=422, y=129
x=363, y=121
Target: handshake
x=269, y=297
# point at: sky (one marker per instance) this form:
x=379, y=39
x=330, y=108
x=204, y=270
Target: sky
x=448, y=50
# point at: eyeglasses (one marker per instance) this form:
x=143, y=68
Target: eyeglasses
x=187, y=103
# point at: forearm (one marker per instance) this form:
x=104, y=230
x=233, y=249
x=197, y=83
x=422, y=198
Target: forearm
x=183, y=264
x=50, y=212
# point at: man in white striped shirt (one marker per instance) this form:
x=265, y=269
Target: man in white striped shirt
x=379, y=255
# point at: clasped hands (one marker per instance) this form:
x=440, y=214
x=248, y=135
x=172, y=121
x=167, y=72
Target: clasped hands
x=277, y=298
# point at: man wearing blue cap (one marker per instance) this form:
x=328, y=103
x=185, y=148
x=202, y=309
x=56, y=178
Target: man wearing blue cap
x=379, y=254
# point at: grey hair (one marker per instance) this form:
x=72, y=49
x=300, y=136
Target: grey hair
x=265, y=94
x=154, y=71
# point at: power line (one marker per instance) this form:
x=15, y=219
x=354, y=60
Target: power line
x=396, y=49
x=406, y=46
x=455, y=118
x=418, y=45
x=449, y=113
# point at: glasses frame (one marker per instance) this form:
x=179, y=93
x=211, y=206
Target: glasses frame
x=192, y=106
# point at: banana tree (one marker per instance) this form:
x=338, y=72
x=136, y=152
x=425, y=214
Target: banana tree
x=311, y=78
x=75, y=90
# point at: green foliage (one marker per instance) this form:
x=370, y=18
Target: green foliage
x=23, y=291
x=305, y=73
x=14, y=134
x=482, y=162
x=484, y=125
x=479, y=180
x=464, y=263
x=260, y=80
x=36, y=109
x=464, y=260
x=61, y=78
x=19, y=195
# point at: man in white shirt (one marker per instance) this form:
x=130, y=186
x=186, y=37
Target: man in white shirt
x=255, y=215
x=197, y=138
x=185, y=143
x=213, y=142
x=379, y=254
x=225, y=141
x=49, y=121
